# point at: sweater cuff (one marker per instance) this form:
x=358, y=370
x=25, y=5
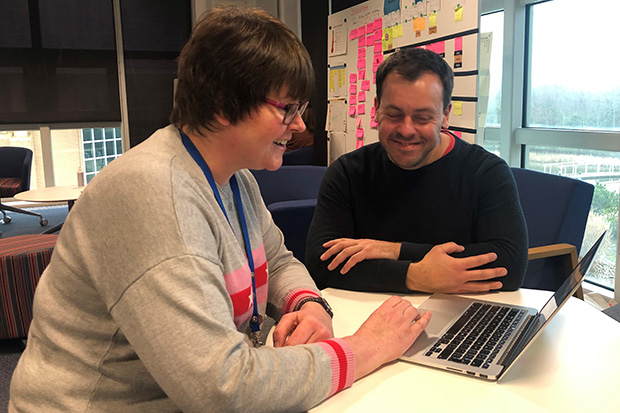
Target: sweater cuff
x=343, y=363
x=294, y=297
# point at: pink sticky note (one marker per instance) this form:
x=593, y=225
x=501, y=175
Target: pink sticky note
x=358, y=122
x=365, y=84
x=378, y=23
x=458, y=43
x=361, y=41
x=352, y=99
x=361, y=63
x=352, y=89
x=361, y=53
x=361, y=74
x=359, y=143
x=353, y=34
x=378, y=48
x=440, y=48
x=370, y=40
x=377, y=59
x=359, y=133
x=374, y=78
x=353, y=78
x=372, y=112
x=352, y=110
x=373, y=124
x=361, y=96
x=361, y=109
x=361, y=31
x=379, y=35
x=457, y=133
x=370, y=27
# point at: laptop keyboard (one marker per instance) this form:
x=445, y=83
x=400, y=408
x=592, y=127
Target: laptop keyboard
x=478, y=335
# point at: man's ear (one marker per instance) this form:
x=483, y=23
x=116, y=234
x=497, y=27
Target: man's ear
x=222, y=120
x=446, y=115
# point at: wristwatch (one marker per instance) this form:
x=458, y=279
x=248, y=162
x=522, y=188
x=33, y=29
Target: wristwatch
x=319, y=300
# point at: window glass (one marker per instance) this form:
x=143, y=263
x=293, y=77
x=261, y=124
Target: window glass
x=573, y=80
x=601, y=169
x=494, y=23
x=66, y=155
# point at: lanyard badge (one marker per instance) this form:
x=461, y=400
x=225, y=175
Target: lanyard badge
x=193, y=151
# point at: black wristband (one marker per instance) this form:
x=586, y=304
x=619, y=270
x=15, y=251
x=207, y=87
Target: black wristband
x=319, y=300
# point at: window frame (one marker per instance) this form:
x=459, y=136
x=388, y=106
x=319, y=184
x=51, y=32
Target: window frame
x=512, y=136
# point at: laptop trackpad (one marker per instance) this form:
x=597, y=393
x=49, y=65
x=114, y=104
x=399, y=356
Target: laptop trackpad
x=439, y=321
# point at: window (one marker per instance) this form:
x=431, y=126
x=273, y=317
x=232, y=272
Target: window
x=100, y=147
x=573, y=80
x=602, y=169
x=493, y=23
x=572, y=91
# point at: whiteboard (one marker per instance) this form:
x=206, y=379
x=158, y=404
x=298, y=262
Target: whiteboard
x=360, y=37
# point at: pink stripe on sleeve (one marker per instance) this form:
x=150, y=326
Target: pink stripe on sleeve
x=291, y=300
x=343, y=363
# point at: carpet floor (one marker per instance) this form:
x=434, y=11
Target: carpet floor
x=10, y=351
x=22, y=224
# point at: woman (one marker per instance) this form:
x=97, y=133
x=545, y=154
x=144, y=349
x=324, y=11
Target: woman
x=168, y=262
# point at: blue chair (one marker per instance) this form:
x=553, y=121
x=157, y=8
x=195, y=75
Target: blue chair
x=290, y=194
x=15, y=166
x=556, y=211
x=301, y=156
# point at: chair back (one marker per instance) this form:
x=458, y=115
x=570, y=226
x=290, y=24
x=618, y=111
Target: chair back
x=16, y=162
x=290, y=182
x=301, y=156
x=290, y=194
x=556, y=211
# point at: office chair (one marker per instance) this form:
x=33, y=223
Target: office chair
x=556, y=211
x=301, y=156
x=290, y=194
x=15, y=166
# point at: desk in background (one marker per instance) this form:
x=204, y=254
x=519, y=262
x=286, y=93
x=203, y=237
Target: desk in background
x=573, y=366
x=68, y=194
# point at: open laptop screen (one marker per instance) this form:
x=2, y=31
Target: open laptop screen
x=563, y=293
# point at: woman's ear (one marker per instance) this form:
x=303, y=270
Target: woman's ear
x=222, y=120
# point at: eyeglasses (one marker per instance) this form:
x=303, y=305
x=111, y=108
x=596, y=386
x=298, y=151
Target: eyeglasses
x=290, y=109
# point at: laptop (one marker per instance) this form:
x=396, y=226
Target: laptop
x=483, y=338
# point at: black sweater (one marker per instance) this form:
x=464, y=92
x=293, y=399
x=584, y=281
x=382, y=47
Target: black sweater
x=468, y=196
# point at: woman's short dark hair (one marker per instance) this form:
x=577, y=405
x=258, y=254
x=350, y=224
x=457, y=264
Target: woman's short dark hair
x=411, y=63
x=234, y=58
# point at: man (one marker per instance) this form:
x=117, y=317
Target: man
x=421, y=210
x=170, y=259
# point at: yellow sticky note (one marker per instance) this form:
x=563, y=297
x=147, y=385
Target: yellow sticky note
x=387, y=38
x=419, y=24
x=397, y=31
x=432, y=20
x=458, y=107
x=458, y=14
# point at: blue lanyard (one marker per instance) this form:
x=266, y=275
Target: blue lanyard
x=193, y=151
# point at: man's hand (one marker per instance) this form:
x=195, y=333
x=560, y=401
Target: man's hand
x=386, y=334
x=355, y=250
x=439, y=272
x=308, y=325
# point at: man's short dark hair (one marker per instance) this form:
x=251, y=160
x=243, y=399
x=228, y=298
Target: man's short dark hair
x=412, y=63
x=234, y=58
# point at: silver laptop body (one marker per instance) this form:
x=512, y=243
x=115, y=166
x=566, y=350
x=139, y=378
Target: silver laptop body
x=511, y=330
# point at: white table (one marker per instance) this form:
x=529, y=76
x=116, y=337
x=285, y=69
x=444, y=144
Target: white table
x=573, y=366
x=68, y=194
